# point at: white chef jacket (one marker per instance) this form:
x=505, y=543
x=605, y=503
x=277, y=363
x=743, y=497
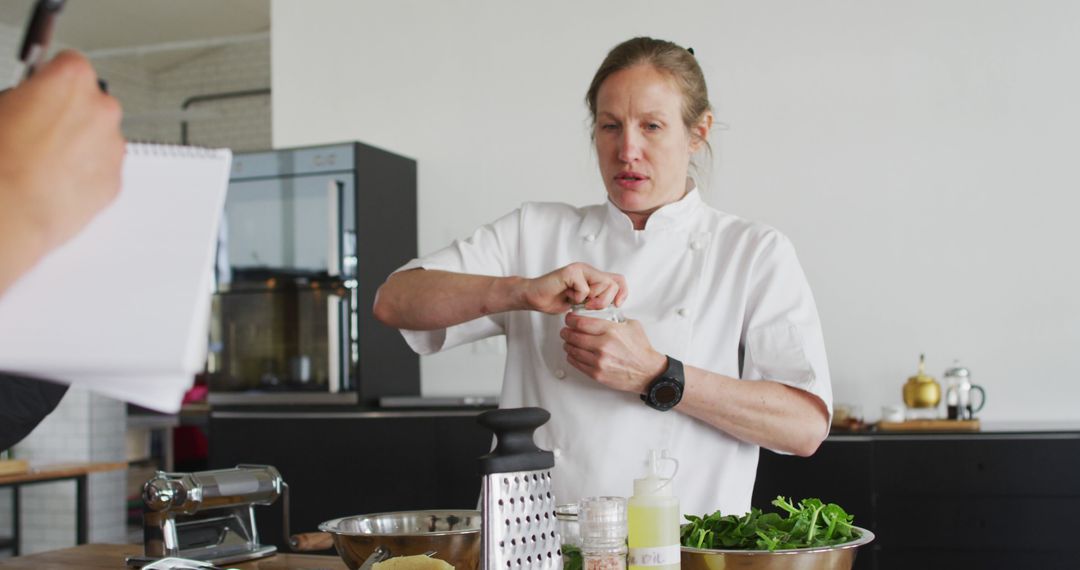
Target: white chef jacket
x=703, y=283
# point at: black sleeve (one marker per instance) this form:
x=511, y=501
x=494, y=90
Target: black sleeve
x=24, y=402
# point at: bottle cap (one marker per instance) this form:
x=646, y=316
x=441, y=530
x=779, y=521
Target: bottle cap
x=653, y=484
x=602, y=518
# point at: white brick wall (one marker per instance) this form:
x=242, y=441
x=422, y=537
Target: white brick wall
x=9, y=46
x=84, y=427
x=239, y=124
x=152, y=98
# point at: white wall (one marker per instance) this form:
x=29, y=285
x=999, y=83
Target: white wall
x=917, y=153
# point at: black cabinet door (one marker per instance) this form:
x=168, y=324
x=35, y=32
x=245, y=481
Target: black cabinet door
x=993, y=502
x=983, y=501
x=840, y=472
x=339, y=467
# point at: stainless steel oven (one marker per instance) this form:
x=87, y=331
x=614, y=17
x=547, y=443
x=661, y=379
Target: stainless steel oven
x=308, y=235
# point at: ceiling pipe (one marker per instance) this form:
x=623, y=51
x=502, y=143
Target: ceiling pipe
x=214, y=97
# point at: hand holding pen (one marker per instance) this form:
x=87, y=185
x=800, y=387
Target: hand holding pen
x=38, y=34
x=61, y=153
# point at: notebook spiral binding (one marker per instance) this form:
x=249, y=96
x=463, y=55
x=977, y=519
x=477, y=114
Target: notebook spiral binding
x=171, y=150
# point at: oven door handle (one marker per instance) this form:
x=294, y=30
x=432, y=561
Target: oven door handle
x=335, y=246
x=339, y=344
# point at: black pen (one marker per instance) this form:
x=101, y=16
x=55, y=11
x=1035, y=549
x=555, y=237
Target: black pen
x=38, y=33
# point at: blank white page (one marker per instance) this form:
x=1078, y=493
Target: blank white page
x=124, y=306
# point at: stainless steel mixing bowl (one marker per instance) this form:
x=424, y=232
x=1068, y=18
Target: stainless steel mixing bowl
x=838, y=557
x=454, y=536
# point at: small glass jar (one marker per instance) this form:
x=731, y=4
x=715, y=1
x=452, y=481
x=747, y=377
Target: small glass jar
x=566, y=518
x=602, y=522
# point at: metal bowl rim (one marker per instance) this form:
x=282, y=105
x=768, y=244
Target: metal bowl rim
x=865, y=537
x=332, y=526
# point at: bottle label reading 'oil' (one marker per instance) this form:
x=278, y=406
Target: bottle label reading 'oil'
x=655, y=556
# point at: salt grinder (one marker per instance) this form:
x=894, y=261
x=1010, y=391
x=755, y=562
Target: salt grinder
x=518, y=510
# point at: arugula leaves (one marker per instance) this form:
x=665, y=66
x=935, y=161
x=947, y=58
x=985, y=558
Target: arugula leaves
x=811, y=523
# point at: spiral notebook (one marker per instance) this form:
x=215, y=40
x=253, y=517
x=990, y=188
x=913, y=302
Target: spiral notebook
x=123, y=308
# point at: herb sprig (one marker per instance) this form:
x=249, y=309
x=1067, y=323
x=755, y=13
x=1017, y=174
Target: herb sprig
x=810, y=523
x=572, y=558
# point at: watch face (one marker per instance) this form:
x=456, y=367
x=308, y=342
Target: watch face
x=666, y=393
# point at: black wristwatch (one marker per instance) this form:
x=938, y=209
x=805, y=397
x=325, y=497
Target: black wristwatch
x=666, y=391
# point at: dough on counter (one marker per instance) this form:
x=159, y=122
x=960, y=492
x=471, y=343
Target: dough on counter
x=417, y=562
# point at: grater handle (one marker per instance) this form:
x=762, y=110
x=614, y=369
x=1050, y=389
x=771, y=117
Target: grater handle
x=515, y=449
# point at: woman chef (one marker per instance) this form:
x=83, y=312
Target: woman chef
x=722, y=351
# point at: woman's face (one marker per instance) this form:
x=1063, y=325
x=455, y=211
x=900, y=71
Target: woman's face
x=642, y=144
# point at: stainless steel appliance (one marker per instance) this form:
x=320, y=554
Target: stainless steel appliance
x=208, y=515
x=309, y=235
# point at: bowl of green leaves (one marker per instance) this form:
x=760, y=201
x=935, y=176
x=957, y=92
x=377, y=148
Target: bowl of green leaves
x=808, y=535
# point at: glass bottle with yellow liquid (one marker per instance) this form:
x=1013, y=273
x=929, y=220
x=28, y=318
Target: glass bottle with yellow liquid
x=653, y=519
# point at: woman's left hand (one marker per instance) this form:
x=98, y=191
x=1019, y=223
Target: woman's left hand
x=618, y=355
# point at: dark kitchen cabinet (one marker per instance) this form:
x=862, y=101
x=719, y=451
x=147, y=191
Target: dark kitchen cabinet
x=347, y=463
x=997, y=499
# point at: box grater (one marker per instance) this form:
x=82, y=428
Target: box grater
x=518, y=510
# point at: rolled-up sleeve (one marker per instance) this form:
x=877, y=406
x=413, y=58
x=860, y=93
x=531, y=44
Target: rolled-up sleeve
x=783, y=341
x=488, y=251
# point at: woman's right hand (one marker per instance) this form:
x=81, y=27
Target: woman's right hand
x=573, y=284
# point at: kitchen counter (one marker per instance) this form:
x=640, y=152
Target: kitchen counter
x=988, y=429
x=111, y=557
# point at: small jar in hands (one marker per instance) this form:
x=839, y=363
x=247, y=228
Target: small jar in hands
x=602, y=522
x=609, y=313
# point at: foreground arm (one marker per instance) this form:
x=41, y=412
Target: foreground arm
x=421, y=299
x=61, y=153
x=769, y=414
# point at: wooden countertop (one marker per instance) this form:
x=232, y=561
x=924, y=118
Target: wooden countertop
x=111, y=557
x=59, y=471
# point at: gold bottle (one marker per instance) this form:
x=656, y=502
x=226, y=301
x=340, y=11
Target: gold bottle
x=922, y=390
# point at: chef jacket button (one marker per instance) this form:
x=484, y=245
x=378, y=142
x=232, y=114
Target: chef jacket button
x=696, y=244
x=556, y=452
x=590, y=237
x=560, y=374
x=682, y=312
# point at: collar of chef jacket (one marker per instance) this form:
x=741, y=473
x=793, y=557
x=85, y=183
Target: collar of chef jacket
x=668, y=217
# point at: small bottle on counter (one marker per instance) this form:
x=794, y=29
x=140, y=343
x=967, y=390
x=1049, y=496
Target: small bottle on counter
x=566, y=519
x=602, y=523
x=653, y=515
